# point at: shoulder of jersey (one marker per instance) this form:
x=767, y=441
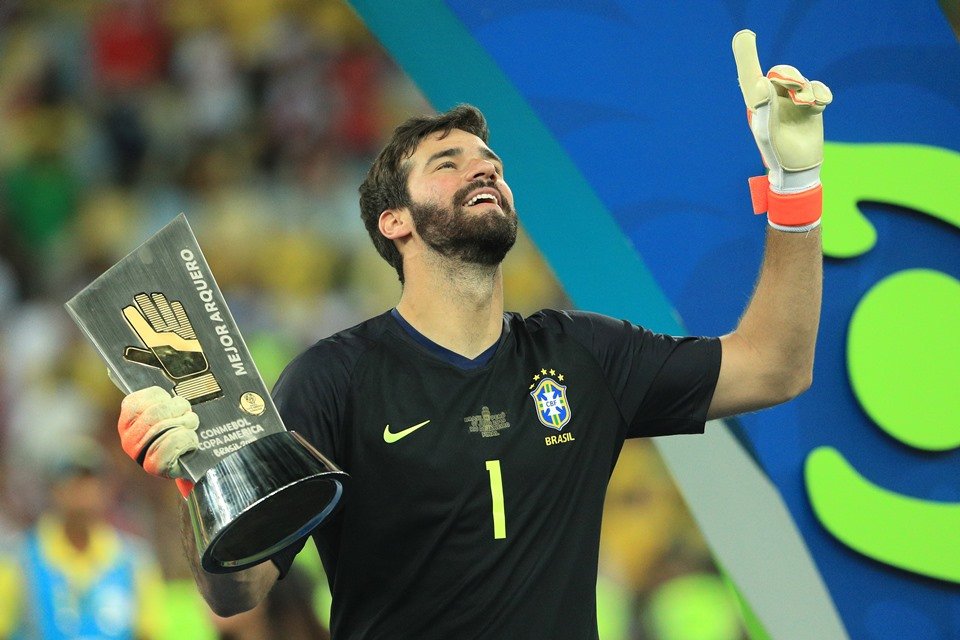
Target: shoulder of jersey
x=343, y=348
x=553, y=319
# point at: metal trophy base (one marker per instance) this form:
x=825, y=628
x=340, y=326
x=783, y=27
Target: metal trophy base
x=261, y=498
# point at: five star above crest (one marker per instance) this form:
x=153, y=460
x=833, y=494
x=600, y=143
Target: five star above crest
x=543, y=374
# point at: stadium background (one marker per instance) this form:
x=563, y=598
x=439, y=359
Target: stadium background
x=258, y=119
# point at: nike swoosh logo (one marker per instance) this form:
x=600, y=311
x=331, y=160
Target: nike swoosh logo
x=390, y=437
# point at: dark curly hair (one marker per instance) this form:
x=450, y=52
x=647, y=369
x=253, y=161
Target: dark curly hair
x=385, y=186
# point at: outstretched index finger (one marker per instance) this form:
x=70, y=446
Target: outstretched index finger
x=753, y=84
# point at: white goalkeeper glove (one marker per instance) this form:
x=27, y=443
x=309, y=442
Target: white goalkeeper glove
x=784, y=111
x=156, y=429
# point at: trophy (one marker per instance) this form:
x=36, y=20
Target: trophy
x=157, y=317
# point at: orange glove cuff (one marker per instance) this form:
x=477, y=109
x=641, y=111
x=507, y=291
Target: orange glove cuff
x=786, y=210
x=185, y=486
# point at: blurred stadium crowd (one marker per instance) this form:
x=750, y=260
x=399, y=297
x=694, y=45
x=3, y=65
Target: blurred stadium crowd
x=258, y=119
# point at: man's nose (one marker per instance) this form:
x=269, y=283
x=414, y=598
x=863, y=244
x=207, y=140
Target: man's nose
x=481, y=168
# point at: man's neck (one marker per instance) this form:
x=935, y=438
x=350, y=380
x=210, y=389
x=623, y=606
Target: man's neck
x=77, y=531
x=458, y=306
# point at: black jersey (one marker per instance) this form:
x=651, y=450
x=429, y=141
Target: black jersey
x=476, y=496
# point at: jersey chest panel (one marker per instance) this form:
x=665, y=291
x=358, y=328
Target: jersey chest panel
x=465, y=470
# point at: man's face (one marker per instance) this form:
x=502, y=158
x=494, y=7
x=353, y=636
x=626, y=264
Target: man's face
x=80, y=496
x=461, y=205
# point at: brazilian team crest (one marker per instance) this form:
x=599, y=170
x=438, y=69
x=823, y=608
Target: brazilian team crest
x=550, y=398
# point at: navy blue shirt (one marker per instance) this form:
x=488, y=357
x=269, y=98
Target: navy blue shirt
x=476, y=493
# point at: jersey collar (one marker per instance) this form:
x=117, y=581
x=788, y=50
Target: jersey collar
x=448, y=356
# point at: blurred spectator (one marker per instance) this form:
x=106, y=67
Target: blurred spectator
x=657, y=580
x=128, y=44
x=43, y=402
x=74, y=575
x=215, y=95
x=41, y=193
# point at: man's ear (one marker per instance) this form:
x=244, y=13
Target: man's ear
x=396, y=223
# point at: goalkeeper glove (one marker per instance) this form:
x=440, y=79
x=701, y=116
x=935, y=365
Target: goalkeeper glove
x=784, y=111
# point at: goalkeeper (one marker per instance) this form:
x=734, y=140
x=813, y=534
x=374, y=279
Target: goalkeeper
x=480, y=442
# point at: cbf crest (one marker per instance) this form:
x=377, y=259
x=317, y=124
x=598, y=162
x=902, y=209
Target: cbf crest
x=550, y=398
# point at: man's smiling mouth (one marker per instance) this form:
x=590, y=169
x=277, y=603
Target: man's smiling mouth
x=480, y=193
x=482, y=197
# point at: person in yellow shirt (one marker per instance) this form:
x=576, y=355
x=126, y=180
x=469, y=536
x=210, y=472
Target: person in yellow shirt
x=74, y=575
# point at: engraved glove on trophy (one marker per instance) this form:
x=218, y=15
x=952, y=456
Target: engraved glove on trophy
x=172, y=346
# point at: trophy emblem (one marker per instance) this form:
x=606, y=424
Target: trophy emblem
x=157, y=317
x=171, y=346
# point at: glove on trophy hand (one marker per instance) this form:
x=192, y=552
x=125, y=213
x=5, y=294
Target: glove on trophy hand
x=784, y=111
x=172, y=346
x=156, y=429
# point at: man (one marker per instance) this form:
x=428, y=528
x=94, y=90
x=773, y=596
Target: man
x=480, y=443
x=74, y=575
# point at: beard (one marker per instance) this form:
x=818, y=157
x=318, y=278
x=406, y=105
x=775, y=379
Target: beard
x=481, y=238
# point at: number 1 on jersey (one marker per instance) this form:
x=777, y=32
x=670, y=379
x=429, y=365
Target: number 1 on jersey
x=496, y=492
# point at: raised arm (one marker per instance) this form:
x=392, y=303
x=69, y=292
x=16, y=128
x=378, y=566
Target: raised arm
x=768, y=359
